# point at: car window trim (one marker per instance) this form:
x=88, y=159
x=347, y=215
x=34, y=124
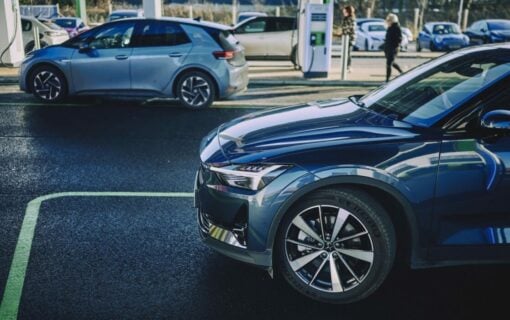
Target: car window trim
x=448, y=123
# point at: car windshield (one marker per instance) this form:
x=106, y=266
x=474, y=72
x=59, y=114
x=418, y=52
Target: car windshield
x=66, y=23
x=446, y=29
x=376, y=28
x=499, y=25
x=50, y=24
x=426, y=95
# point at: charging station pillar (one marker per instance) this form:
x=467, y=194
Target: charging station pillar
x=81, y=9
x=10, y=37
x=152, y=8
x=315, y=38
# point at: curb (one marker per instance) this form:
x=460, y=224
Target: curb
x=314, y=83
x=9, y=80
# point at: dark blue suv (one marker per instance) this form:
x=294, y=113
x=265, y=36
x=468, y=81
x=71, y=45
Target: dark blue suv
x=328, y=193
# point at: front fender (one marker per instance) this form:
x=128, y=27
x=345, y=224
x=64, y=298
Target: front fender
x=344, y=175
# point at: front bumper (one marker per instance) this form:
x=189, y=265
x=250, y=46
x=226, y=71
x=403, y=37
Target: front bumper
x=238, y=223
x=225, y=229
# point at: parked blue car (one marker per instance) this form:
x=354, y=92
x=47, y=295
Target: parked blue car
x=489, y=31
x=196, y=62
x=328, y=193
x=441, y=36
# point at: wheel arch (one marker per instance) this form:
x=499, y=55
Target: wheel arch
x=40, y=64
x=178, y=76
x=398, y=207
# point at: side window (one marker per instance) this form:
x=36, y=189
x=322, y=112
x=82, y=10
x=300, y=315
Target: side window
x=26, y=25
x=254, y=26
x=159, y=34
x=483, y=27
x=115, y=36
x=284, y=25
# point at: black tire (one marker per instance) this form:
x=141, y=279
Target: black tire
x=432, y=47
x=418, y=46
x=30, y=46
x=366, y=45
x=48, y=84
x=363, y=212
x=195, y=90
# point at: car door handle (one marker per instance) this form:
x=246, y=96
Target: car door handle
x=121, y=57
x=175, y=54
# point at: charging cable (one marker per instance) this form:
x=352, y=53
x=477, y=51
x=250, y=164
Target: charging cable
x=11, y=41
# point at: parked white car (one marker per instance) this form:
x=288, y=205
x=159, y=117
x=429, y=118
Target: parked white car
x=268, y=38
x=248, y=14
x=49, y=33
x=370, y=36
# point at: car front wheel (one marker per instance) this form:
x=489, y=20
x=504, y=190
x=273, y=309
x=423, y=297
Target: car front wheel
x=48, y=84
x=195, y=90
x=336, y=246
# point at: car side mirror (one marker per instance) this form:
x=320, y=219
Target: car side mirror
x=85, y=47
x=496, y=120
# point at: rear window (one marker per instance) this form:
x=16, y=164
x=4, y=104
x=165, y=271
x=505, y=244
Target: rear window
x=224, y=38
x=66, y=23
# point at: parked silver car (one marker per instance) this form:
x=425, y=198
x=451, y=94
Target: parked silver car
x=193, y=61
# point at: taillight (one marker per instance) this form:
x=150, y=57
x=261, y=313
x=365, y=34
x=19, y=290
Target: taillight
x=224, y=55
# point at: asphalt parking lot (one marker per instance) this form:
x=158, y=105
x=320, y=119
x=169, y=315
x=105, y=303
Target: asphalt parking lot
x=117, y=237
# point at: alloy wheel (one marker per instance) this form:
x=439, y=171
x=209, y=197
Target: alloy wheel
x=47, y=85
x=329, y=249
x=195, y=91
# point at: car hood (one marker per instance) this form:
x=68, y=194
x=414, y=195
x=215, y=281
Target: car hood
x=450, y=36
x=268, y=134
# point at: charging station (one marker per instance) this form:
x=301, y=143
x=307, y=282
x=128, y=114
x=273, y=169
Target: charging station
x=315, y=38
x=11, y=43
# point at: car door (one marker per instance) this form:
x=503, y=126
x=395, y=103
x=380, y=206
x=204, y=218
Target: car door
x=425, y=38
x=159, y=50
x=251, y=36
x=103, y=64
x=472, y=212
x=279, y=36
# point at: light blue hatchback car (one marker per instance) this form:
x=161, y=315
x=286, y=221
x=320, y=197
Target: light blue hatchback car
x=196, y=62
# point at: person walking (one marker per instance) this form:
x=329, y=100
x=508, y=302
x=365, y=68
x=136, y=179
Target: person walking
x=392, y=44
x=348, y=28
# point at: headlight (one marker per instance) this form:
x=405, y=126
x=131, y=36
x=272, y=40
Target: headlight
x=249, y=176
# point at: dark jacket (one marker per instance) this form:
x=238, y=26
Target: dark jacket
x=393, y=38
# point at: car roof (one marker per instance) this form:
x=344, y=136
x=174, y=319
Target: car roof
x=440, y=22
x=67, y=18
x=188, y=21
x=253, y=13
x=125, y=11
